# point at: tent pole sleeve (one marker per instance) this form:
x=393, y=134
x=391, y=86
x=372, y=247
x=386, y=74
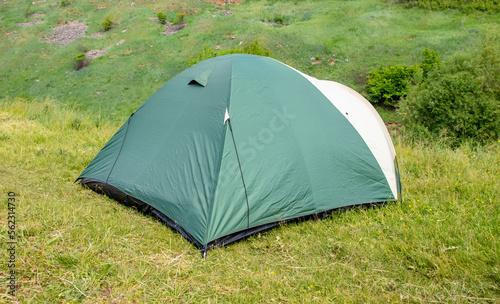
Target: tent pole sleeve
x=241, y=172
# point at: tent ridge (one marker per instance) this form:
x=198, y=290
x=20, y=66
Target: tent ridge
x=219, y=160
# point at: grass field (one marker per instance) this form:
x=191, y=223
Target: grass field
x=357, y=35
x=439, y=243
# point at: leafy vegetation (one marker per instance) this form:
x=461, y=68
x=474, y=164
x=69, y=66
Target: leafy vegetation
x=431, y=61
x=108, y=22
x=279, y=19
x=255, y=47
x=466, y=6
x=179, y=19
x=81, y=61
x=388, y=85
x=459, y=99
x=162, y=18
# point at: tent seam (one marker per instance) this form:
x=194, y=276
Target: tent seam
x=219, y=164
x=121, y=147
x=307, y=78
x=299, y=145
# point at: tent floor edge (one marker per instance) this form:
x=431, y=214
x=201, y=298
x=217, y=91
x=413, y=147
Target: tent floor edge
x=130, y=201
x=241, y=235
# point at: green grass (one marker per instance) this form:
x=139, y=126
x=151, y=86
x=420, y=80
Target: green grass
x=439, y=243
x=356, y=34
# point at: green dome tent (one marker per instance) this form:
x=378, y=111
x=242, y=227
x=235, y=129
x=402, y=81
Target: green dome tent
x=240, y=143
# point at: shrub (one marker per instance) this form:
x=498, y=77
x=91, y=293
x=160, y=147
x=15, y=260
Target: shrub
x=81, y=61
x=460, y=99
x=430, y=62
x=255, y=47
x=466, y=6
x=281, y=19
x=278, y=19
x=162, y=18
x=179, y=18
x=76, y=123
x=107, y=23
x=388, y=85
x=204, y=54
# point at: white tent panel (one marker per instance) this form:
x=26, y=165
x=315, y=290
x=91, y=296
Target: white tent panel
x=365, y=119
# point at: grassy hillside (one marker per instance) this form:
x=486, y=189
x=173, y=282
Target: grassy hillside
x=355, y=35
x=439, y=243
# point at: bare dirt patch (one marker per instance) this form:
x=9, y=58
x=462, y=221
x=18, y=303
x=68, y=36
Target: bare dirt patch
x=120, y=42
x=275, y=24
x=67, y=33
x=172, y=29
x=95, y=53
x=225, y=12
x=226, y=2
x=30, y=23
x=96, y=35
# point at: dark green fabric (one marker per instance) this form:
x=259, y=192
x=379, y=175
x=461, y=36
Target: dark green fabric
x=298, y=153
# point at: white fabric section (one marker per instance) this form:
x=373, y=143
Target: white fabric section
x=366, y=120
x=226, y=116
x=371, y=108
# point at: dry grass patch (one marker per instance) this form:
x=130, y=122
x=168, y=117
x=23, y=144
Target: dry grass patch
x=30, y=23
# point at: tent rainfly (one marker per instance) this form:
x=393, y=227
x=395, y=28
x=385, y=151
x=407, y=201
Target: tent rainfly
x=240, y=143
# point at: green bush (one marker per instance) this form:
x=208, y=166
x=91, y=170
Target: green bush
x=431, y=61
x=162, y=18
x=255, y=47
x=206, y=53
x=179, y=18
x=107, y=23
x=65, y=2
x=281, y=19
x=388, y=85
x=460, y=99
x=81, y=61
x=466, y=6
